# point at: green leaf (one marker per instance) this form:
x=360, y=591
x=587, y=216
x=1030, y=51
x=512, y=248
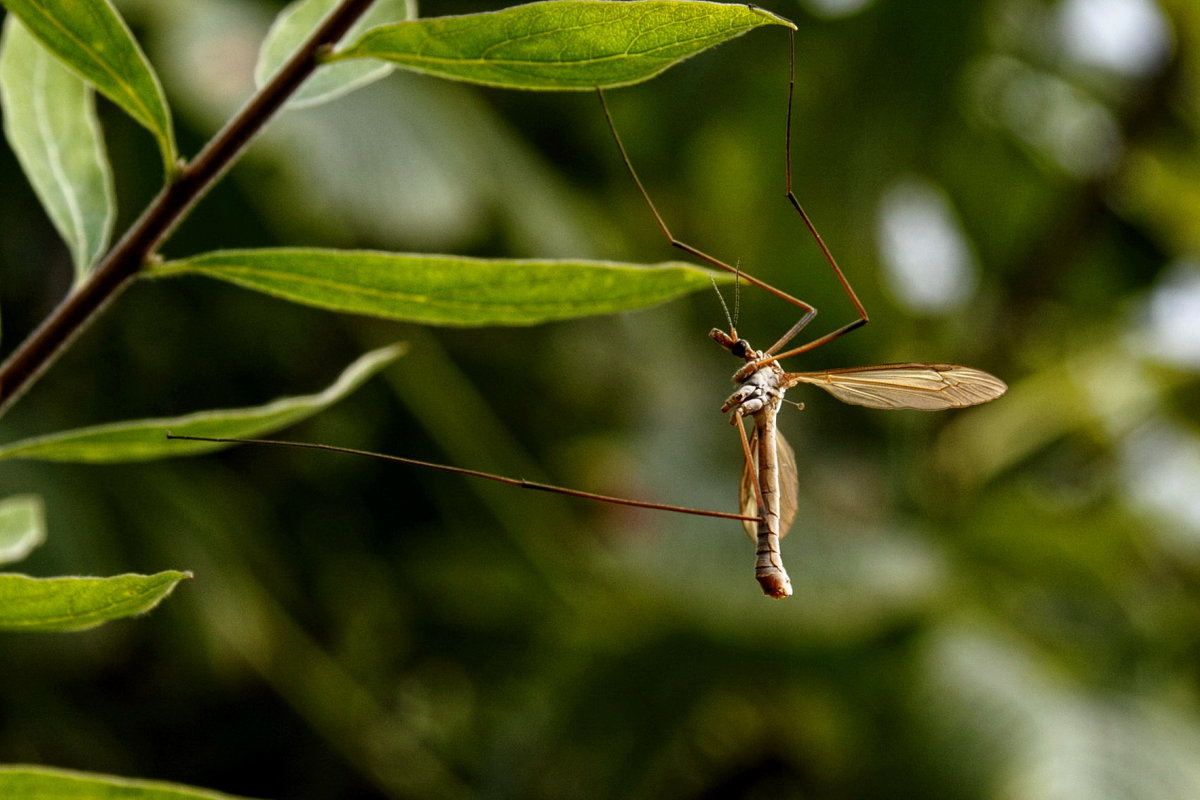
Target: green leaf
x=22, y=526
x=50, y=122
x=46, y=783
x=76, y=604
x=447, y=290
x=90, y=37
x=144, y=440
x=561, y=44
x=296, y=22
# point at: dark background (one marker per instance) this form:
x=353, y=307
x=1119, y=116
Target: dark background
x=995, y=602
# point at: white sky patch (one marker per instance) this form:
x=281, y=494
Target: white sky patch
x=1127, y=36
x=930, y=267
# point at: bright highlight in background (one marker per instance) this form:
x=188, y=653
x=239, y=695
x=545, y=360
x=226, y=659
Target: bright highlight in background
x=930, y=267
x=833, y=9
x=1160, y=467
x=1170, y=330
x=1128, y=36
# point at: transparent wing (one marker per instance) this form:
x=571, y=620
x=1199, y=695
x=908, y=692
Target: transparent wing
x=929, y=387
x=789, y=486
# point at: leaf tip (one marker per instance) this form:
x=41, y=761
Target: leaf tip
x=772, y=17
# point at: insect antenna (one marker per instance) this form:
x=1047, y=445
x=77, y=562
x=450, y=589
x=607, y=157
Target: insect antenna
x=730, y=319
x=737, y=295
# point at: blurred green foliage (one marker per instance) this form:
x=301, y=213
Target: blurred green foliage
x=997, y=602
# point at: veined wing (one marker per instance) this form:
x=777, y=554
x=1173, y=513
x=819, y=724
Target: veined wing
x=929, y=387
x=789, y=486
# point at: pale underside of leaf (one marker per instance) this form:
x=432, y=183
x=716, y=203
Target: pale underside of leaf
x=448, y=290
x=143, y=440
x=76, y=604
x=293, y=26
x=30, y=782
x=22, y=526
x=561, y=44
x=93, y=40
x=789, y=486
x=927, y=387
x=50, y=122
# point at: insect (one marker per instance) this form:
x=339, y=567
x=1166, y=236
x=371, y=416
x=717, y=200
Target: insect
x=769, y=485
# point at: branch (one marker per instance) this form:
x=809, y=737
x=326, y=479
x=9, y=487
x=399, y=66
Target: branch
x=167, y=211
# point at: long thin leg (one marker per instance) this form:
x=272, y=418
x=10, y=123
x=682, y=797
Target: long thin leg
x=520, y=483
x=751, y=467
x=809, y=310
x=684, y=246
x=812, y=229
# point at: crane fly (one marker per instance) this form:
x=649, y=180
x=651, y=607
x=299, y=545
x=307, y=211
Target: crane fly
x=769, y=484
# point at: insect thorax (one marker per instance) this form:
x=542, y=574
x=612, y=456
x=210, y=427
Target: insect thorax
x=762, y=388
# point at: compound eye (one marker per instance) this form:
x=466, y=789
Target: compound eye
x=740, y=348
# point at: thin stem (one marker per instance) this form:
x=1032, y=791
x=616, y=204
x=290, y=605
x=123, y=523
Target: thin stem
x=164, y=214
x=520, y=483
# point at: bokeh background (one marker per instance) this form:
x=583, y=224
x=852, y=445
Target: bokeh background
x=999, y=602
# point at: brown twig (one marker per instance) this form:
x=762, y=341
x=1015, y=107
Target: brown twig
x=139, y=244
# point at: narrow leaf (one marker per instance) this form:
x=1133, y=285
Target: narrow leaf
x=76, y=604
x=50, y=122
x=145, y=439
x=561, y=44
x=46, y=783
x=296, y=22
x=90, y=37
x=447, y=290
x=22, y=526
